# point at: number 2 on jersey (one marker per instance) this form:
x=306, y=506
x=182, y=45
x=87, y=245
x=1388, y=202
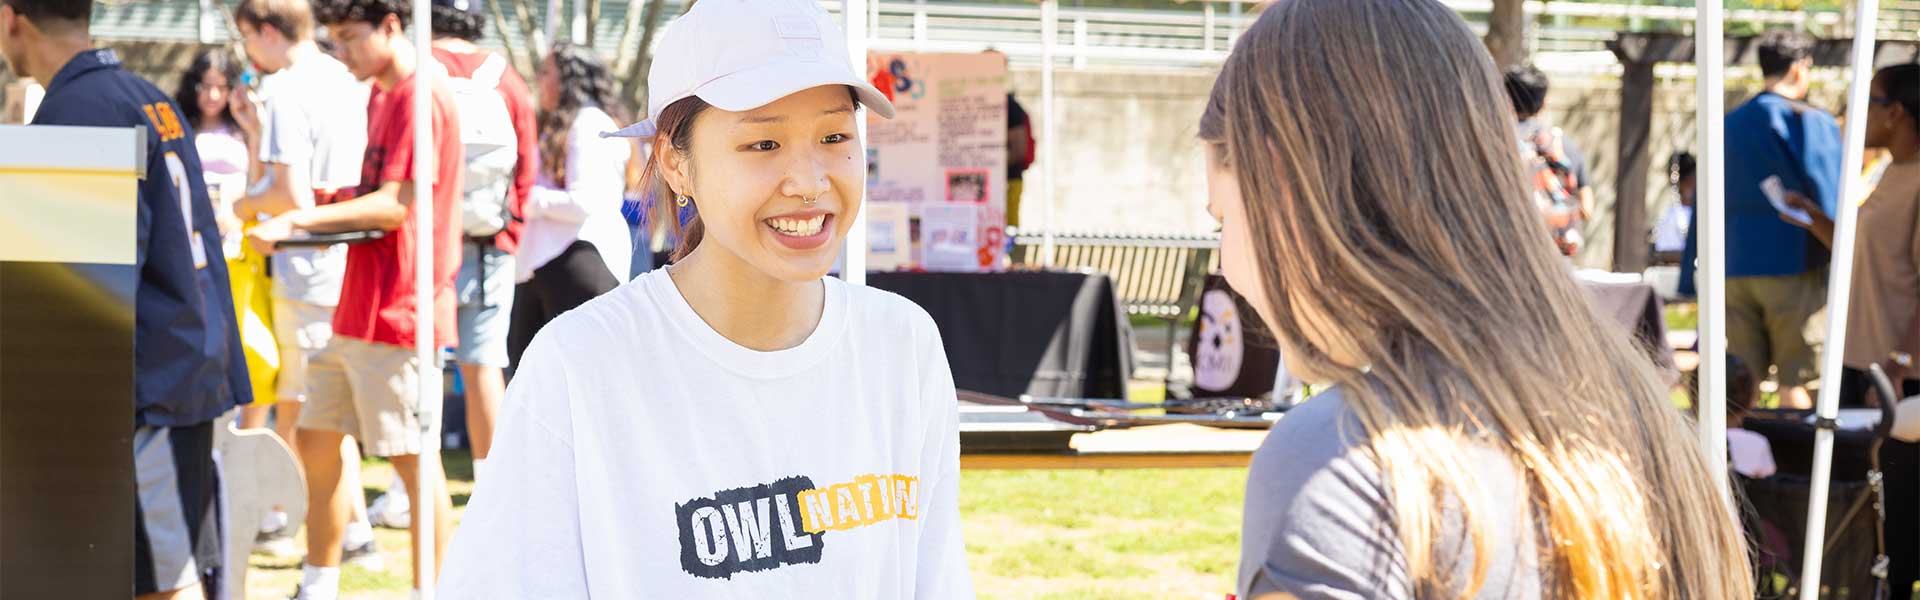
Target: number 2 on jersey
x=183, y=190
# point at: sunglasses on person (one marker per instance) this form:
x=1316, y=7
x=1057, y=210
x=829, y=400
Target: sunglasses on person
x=1879, y=100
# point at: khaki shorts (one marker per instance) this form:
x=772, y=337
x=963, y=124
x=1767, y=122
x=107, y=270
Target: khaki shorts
x=1778, y=321
x=301, y=330
x=366, y=390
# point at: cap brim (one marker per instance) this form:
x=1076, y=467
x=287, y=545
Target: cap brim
x=753, y=88
x=643, y=129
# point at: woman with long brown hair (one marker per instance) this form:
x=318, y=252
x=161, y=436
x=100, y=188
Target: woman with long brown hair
x=576, y=246
x=1485, y=434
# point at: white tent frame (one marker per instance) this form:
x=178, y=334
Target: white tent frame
x=426, y=403
x=1709, y=59
x=1839, y=290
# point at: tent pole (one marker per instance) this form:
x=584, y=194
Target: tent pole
x=1710, y=61
x=425, y=355
x=1049, y=142
x=1839, y=290
x=855, y=269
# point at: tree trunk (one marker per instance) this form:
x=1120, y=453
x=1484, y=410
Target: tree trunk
x=628, y=50
x=1506, y=33
x=506, y=40
x=635, y=88
x=536, y=40
x=593, y=22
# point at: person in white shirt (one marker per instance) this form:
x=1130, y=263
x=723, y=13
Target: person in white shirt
x=737, y=425
x=1748, y=452
x=307, y=132
x=1670, y=233
x=202, y=97
x=576, y=245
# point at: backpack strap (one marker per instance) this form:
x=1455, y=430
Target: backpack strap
x=490, y=72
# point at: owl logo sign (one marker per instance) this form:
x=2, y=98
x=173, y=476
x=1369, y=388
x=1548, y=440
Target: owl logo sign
x=1222, y=344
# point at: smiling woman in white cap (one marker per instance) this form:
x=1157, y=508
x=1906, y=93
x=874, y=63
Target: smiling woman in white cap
x=737, y=425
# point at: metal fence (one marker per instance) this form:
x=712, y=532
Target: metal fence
x=1180, y=36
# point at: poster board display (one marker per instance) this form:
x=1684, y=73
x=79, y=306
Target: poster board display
x=945, y=148
x=68, y=277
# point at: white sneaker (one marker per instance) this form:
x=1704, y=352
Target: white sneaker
x=276, y=547
x=390, y=511
x=275, y=538
x=365, y=555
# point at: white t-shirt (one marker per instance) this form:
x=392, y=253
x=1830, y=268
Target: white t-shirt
x=588, y=208
x=315, y=122
x=1750, y=453
x=640, y=454
x=1670, y=234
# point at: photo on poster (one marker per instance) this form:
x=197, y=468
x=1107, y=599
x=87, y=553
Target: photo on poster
x=950, y=237
x=889, y=245
x=967, y=186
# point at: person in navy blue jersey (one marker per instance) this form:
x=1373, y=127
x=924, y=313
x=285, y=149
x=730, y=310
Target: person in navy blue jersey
x=188, y=367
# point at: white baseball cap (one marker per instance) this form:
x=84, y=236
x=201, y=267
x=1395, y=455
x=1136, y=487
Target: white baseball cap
x=739, y=55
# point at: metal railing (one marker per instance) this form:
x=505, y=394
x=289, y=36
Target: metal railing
x=1195, y=35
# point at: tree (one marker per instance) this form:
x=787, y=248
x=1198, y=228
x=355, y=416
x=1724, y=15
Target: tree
x=506, y=41
x=536, y=39
x=636, y=59
x=593, y=22
x=1507, y=32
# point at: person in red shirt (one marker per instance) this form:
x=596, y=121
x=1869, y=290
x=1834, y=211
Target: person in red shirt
x=488, y=256
x=364, y=383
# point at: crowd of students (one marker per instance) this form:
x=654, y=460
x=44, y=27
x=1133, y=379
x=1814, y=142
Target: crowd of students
x=286, y=139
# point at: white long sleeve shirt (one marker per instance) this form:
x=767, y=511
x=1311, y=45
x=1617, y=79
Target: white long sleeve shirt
x=643, y=455
x=588, y=207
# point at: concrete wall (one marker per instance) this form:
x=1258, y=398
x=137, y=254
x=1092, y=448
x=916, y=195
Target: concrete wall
x=1131, y=163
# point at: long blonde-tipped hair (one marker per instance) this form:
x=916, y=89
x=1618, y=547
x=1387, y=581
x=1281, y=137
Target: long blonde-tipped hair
x=1391, y=223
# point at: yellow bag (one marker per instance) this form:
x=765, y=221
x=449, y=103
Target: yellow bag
x=253, y=306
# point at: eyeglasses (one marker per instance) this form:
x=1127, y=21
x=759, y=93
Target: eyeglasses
x=1879, y=100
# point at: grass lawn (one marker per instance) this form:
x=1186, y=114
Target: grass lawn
x=1052, y=535
x=1682, y=316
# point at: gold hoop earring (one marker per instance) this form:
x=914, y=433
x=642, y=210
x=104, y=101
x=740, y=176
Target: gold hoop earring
x=682, y=201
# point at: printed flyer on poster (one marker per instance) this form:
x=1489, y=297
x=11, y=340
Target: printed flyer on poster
x=889, y=236
x=950, y=237
x=945, y=150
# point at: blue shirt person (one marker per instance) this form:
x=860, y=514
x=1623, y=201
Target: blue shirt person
x=1776, y=271
x=187, y=356
x=1770, y=136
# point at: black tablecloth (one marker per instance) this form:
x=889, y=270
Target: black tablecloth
x=1636, y=307
x=1792, y=439
x=1045, y=333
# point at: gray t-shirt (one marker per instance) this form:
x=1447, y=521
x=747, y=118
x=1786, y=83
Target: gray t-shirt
x=315, y=122
x=1318, y=523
